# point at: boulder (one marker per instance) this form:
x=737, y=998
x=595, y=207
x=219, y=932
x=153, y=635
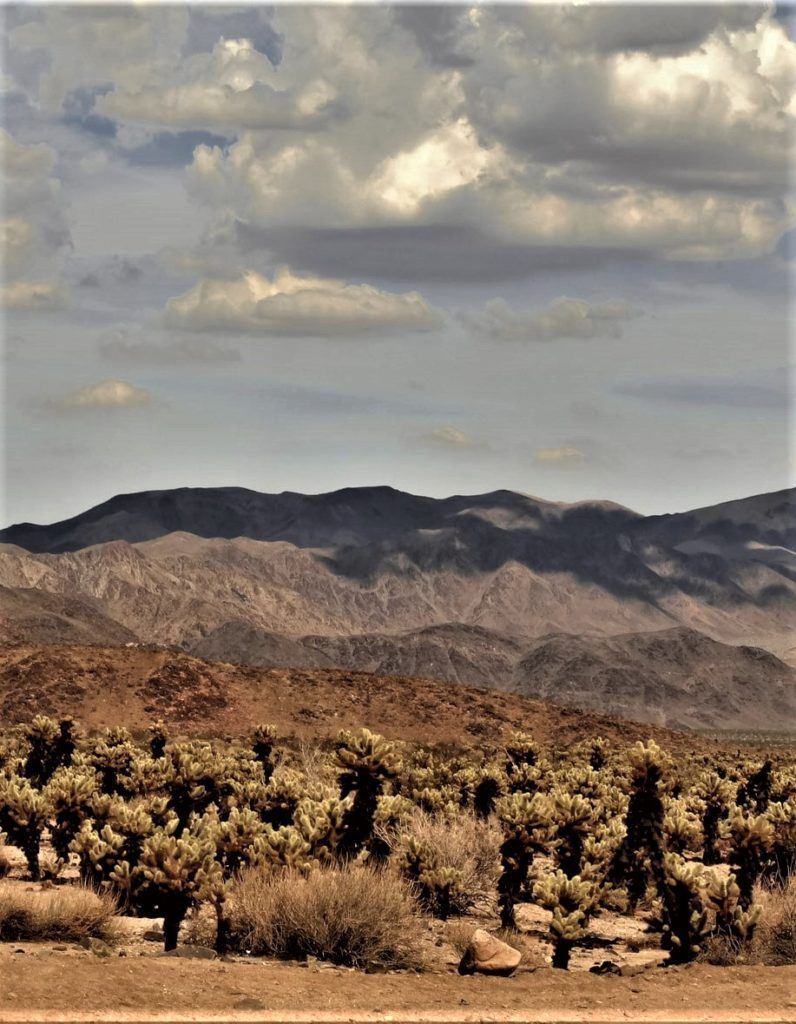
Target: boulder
x=487, y=954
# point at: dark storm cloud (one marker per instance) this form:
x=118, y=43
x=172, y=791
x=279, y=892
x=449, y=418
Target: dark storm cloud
x=423, y=253
x=659, y=29
x=437, y=30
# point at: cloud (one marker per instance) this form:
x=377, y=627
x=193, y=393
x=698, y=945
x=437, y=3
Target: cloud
x=662, y=136
x=563, y=456
x=235, y=86
x=540, y=134
x=564, y=318
x=32, y=295
x=292, y=305
x=451, y=438
x=36, y=232
x=107, y=394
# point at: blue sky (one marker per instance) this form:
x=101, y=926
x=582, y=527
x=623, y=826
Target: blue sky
x=448, y=249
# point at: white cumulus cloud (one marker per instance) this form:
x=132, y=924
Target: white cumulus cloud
x=564, y=318
x=235, y=86
x=106, y=394
x=288, y=304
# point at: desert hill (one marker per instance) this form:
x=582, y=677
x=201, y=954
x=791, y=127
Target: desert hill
x=131, y=686
x=498, y=589
x=676, y=677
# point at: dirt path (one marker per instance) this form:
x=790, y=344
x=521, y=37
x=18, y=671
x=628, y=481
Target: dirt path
x=43, y=984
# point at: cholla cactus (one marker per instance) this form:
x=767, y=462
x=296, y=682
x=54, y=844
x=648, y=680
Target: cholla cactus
x=158, y=738
x=238, y=840
x=99, y=853
x=277, y=802
x=521, y=750
x=214, y=888
x=715, y=795
x=755, y=794
x=69, y=795
x=322, y=823
x=191, y=780
x=685, y=919
x=286, y=847
x=368, y=760
x=732, y=921
x=263, y=740
x=391, y=813
x=490, y=783
x=598, y=753
x=680, y=829
x=439, y=886
x=571, y=900
x=171, y=875
x=442, y=888
x=572, y=822
x=112, y=758
x=23, y=817
x=752, y=838
x=42, y=760
x=526, y=822
x=782, y=817
x=640, y=856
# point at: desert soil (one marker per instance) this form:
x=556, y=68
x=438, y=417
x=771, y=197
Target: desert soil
x=42, y=984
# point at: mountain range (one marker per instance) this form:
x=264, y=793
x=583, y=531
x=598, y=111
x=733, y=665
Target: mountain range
x=684, y=619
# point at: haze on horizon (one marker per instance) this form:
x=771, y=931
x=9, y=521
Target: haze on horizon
x=449, y=249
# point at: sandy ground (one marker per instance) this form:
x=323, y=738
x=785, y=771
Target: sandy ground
x=73, y=984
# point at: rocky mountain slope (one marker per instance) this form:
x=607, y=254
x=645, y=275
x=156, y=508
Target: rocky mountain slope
x=499, y=589
x=676, y=677
x=103, y=686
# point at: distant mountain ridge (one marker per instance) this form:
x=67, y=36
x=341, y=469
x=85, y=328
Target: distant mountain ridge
x=464, y=588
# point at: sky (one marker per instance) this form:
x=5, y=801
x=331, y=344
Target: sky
x=450, y=249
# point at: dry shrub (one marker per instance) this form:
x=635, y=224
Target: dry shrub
x=470, y=845
x=65, y=914
x=775, y=938
x=349, y=915
x=5, y=860
x=459, y=934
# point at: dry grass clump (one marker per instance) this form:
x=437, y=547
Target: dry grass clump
x=775, y=938
x=65, y=914
x=349, y=915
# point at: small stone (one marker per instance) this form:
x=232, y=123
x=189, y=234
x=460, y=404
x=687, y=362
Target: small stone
x=487, y=954
x=153, y=935
x=60, y=948
x=188, y=952
x=631, y=970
